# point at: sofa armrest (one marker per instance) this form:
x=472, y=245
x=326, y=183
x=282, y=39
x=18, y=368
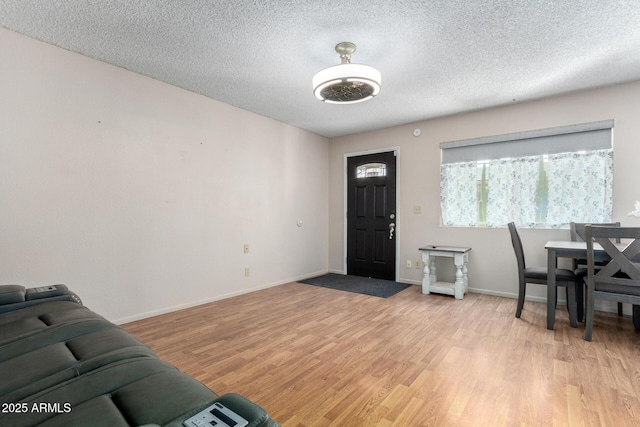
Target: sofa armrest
x=248, y=410
x=11, y=294
x=15, y=297
x=252, y=413
x=45, y=292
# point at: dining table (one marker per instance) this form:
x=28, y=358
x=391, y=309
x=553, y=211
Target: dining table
x=572, y=250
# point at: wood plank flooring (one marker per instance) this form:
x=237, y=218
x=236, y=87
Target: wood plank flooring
x=315, y=357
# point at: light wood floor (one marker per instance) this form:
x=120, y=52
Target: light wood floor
x=318, y=357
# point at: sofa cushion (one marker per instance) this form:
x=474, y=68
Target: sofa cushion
x=97, y=412
x=38, y=318
x=143, y=390
x=48, y=366
x=51, y=335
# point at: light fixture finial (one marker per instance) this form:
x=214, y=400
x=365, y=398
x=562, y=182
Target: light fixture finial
x=345, y=50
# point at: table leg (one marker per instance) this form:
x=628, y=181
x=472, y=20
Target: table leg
x=432, y=266
x=465, y=279
x=572, y=305
x=426, y=282
x=551, y=288
x=458, y=286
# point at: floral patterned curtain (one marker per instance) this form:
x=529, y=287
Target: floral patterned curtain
x=512, y=191
x=580, y=187
x=565, y=187
x=458, y=194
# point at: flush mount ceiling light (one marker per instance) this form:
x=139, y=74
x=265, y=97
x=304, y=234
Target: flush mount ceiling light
x=346, y=83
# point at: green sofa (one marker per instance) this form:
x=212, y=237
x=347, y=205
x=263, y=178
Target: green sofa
x=63, y=365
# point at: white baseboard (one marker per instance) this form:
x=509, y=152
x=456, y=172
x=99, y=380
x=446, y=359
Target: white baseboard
x=611, y=308
x=606, y=308
x=203, y=301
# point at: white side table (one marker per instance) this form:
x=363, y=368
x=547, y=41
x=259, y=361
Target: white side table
x=430, y=281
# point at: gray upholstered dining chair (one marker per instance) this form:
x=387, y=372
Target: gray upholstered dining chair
x=619, y=279
x=538, y=275
x=576, y=230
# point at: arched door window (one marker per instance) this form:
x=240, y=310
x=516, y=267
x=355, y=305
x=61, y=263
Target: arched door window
x=369, y=170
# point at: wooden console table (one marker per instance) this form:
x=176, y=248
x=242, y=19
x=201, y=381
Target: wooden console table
x=430, y=281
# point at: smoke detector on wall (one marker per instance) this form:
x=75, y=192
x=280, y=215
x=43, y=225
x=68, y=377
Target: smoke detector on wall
x=346, y=83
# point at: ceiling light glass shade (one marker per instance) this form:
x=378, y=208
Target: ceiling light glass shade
x=347, y=83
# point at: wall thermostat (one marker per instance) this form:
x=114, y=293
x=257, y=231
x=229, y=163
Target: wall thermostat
x=417, y=132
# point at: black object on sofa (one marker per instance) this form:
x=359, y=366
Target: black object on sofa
x=63, y=365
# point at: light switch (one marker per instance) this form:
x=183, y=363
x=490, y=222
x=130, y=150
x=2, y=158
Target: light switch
x=246, y=248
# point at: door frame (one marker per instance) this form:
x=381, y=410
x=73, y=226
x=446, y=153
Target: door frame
x=345, y=204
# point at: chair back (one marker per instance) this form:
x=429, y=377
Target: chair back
x=517, y=247
x=621, y=274
x=577, y=229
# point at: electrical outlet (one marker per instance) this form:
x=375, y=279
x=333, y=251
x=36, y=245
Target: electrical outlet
x=246, y=248
x=418, y=264
x=408, y=263
x=417, y=209
x=247, y=272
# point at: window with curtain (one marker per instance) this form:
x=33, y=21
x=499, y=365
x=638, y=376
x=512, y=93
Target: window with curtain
x=545, y=178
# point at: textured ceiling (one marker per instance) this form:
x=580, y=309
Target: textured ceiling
x=437, y=57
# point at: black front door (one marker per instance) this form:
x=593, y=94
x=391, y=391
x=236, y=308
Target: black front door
x=371, y=215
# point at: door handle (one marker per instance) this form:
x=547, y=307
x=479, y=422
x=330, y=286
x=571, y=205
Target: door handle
x=392, y=228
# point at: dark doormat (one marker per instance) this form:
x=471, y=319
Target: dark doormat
x=361, y=285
